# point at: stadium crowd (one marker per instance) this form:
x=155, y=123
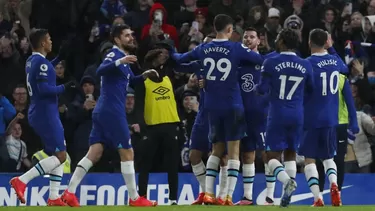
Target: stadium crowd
x=80, y=35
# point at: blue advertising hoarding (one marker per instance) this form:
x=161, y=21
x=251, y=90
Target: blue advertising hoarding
x=109, y=189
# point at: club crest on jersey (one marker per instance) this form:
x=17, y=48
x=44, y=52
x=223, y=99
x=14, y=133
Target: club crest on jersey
x=43, y=67
x=257, y=67
x=110, y=55
x=244, y=46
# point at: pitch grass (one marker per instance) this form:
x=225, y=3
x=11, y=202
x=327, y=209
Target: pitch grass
x=191, y=208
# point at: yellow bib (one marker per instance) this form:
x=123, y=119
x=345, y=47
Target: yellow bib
x=343, y=110
x=40, y=155
x=160, y=104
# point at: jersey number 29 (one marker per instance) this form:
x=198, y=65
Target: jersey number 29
x=223, y=65
x=28, y=85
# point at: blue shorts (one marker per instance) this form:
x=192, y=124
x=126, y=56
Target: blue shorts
x=283, y=137
x=319, y=143
x=111, y=131
x=254, y=138
x=226, y=125
x=199, y=134
x=51, y=134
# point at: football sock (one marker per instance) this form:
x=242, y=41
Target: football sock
x=331, y=170
x=291, y=168
x=211, y=173
x=44, y=166
x=128, y=172
x=278, y=171
x=199, y=171
x=312, y=177
x=270, y=180
x=82, y=168
x=55, y=178
x=223, y=182
x=248, y=174
x=233, y=170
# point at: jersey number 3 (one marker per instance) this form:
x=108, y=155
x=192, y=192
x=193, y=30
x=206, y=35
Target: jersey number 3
x=28, y=85
x=223, y=65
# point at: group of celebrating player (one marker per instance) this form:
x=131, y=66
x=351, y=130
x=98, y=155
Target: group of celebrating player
x=278, y=103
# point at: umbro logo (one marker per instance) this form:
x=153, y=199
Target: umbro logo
x=161, y=90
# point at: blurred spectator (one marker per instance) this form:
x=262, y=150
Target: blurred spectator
x=139, y=16
x=359, y=156
x=16, y=147
x=112, y=8
x=190, y=104
x=228, y=7
x=7, y=112
x=272, y=26
x=17, y=10
x=158, y=29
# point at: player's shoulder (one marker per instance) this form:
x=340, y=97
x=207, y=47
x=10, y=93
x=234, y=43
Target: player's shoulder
x=38, y=63
x=113, y=54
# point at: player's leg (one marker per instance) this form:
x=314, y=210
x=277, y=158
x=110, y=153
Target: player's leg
x=329, y=164
x=270, y=181
x=223, y=180
x=248, y=147
x=120, y=139
x=234, y=128
x=198, y=144
x=212, y=167
x=309, y=148
x=52, y=146
x=342, y=144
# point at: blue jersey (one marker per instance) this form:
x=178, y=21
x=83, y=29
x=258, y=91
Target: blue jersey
x=220, y=60
x=284, y=78
x=115, y=78
x=41, y=86
x=321, y=109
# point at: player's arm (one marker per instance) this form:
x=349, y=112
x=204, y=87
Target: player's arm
x=265, y=79
x=347, y=93
x=187, y=57
x=8, y=109
x=112, y=61
x=246, y=55
x=343, y=67
x=42, y=80
x=191, y=67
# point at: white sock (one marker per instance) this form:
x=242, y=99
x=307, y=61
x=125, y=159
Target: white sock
x=291, y=168
x=312, y=177
x=44, y=166
x=331, y=170
x=128, y=172
x=223, y=182
x=270, y=180
x=248, y=174
x=233, y=170
x=211, y=173
x=82, y=168
x=54, y=182
x=278, y=171
x=199, y=171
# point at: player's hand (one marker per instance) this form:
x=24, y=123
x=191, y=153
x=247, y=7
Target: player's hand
x=329, y=42
x=194, y=106
x=20, y=116
x=129, y=59
x=136, y=128
x=201, y=83
x=353, y=129
x=70, y=85
x=148, y=73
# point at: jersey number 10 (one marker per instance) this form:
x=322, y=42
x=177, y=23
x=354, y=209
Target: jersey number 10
x=223, y=65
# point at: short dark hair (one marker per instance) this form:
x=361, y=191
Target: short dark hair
x=318, y=38
x=221, y=21
x=117, y=29
x=290, y=38
x=36, y=36
x=252, y=29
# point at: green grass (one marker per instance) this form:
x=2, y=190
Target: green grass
x=192, y=208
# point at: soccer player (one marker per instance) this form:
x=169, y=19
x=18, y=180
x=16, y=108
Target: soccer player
x=110, y=128
x=285, y=78
x=223, y=103
x=44, y=117
x=255, y=115
x=321, y=116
